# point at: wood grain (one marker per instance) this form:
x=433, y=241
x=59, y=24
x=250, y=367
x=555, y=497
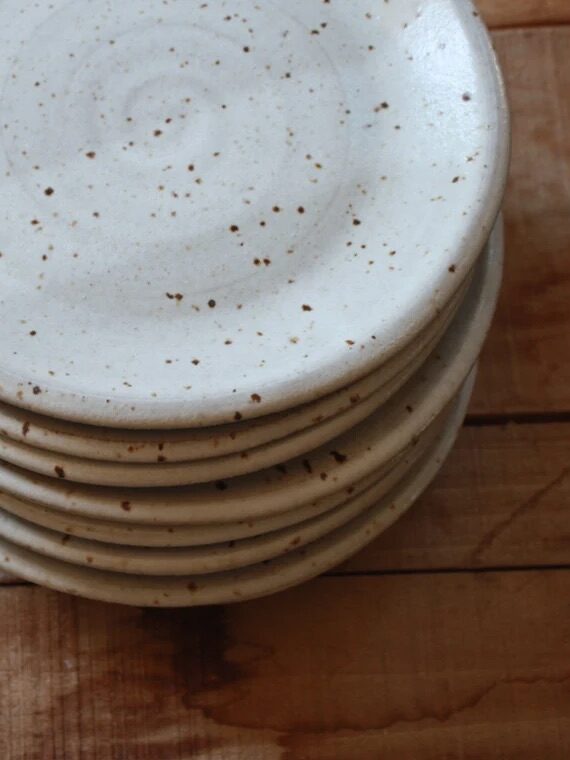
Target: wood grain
x=526, y=363
x=501, y=500
x=516, y=13
x=421, y=666
x=461, y=667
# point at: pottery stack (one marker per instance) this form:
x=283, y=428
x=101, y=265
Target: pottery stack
x=249, y=257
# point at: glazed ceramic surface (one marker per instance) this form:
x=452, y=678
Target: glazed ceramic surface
x=158, y=535
x=237, y=585
x=110, y=444
x=208, y=205
x=205, y=470
x=230, y=554
x=330, y=468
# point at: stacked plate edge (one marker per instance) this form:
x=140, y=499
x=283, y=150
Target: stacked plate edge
x=217, y=383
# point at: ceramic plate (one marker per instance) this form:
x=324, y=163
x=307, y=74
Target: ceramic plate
x=238, y=585
x=157, y=535
x=110, y=444
x=220, y=208
x=137, y=475
x=330, y=468
x=213, y=558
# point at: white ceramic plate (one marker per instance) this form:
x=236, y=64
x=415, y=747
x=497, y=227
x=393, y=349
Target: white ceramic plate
x=110, y=444
x=238, y=585
x=214, y=558
x=345, y=460
x=137, y=475
x=197, y=241
x=157, y=535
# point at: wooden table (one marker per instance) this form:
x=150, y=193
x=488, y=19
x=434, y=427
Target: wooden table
x=447, y=639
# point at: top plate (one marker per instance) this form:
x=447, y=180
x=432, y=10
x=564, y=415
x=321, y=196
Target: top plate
x=223, y=209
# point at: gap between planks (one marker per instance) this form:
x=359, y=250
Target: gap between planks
x=10, y=583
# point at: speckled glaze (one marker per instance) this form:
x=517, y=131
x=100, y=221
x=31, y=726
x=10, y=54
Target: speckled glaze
x=214, y=558
x=162, y=473
x=238, y=585
x=214, y=211
x=347, y=459
x=158, y=535
x=157, y=446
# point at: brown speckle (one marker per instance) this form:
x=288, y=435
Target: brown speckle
x=466, y=97
x=256, y=398
x=234, y=228
x=175, y=296
x=212, y=303
x=306, y=307
x=126, y=506
x=338, y=457
x=49, y=191
x=157, y=132
x=59, y=471
x=91, y=154
x=36, y=390
x=25, y=428
x=452, y=268
x=238, y=416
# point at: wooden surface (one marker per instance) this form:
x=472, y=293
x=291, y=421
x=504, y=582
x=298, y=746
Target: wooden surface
x=449, y=637
x=402, y=667
x=526, y=365
x=507, y=14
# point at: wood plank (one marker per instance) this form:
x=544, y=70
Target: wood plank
x=460, y=667
x=501, y=500
x=508, y=13
x=526, y=363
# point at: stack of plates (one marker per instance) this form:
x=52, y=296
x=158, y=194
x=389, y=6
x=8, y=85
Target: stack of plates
x=249, y=259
